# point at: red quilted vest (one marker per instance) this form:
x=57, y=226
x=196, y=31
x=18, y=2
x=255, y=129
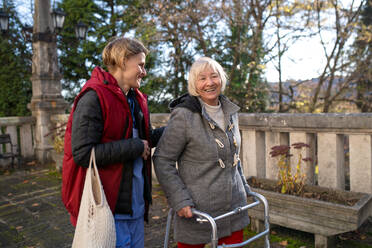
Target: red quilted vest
x=116, y=116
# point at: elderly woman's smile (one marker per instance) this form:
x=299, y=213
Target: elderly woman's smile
x=208, y=86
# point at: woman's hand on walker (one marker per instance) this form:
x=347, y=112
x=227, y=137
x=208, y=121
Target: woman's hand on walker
x=185, y=212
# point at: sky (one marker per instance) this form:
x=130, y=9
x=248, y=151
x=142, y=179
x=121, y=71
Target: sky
x=304, y=59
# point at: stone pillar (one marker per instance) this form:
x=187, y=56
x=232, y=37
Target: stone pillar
x=46, y=87
x=307, y=168
x=253, y=153
x=360, y=163
x=273, y=139
x=12, y=130
x=331, y=160
x=324, y=241
x=257, y=225
x=26, y=141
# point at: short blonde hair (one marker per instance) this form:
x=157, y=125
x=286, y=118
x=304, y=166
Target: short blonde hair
x=200, y=65
x=119, y=49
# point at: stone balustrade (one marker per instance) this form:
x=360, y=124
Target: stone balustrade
x=340, y=144
x=21, y=134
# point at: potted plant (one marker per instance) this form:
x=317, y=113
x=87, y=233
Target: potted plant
x=322, y=211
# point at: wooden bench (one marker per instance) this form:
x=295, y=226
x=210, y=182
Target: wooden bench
x=13, y=153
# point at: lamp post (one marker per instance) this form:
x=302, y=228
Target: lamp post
x=46, y=86
x=58, y=18
x=81, y=30
x=4, y=21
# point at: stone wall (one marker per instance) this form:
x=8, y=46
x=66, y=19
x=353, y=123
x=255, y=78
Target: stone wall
x=340, y=144
x=21, y=134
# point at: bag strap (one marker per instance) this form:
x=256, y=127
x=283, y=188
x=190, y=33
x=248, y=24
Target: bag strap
x=92, y=170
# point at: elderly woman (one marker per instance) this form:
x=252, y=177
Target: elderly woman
x=203, y=137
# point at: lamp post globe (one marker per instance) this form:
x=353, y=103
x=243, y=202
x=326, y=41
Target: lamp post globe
x=4, y=21
x=81, y=30
x=58, y=18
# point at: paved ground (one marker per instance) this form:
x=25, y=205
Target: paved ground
x=32, y=215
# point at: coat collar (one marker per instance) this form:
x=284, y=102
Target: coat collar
x=186, y=101
x=229, y=108
x=193, y=104
x=104, y=77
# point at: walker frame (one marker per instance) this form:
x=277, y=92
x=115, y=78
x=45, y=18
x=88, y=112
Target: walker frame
x=204, y=217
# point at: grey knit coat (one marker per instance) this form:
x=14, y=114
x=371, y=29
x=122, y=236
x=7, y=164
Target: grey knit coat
x=208, y=175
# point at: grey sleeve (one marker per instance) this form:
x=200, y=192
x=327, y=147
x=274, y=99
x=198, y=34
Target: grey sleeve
x=240, y=169
x=170, y=147
x=87, y=130
x=246, y=185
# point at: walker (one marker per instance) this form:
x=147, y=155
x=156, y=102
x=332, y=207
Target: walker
x=204, y=217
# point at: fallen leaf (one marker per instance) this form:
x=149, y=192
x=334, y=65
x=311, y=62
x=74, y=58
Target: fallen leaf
x=363, y=237
x=284, y=243
x=155, y=217
x=35, y=204
x=25, y=181
x=19, y=227
x=308, y=194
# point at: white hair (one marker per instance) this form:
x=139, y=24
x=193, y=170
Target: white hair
x=199, y=66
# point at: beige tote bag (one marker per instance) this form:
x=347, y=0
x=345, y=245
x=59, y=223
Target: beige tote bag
x=95, y=226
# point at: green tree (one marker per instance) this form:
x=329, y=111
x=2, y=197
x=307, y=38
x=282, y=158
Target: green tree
x=145, y=29
x=15, y=69
x=77, y=58
x=188, y=29
x=363, y=57
x=244, y=51
x=173, y=33
x=105, y=19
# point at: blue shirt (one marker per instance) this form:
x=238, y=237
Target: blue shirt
x=138, y=202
